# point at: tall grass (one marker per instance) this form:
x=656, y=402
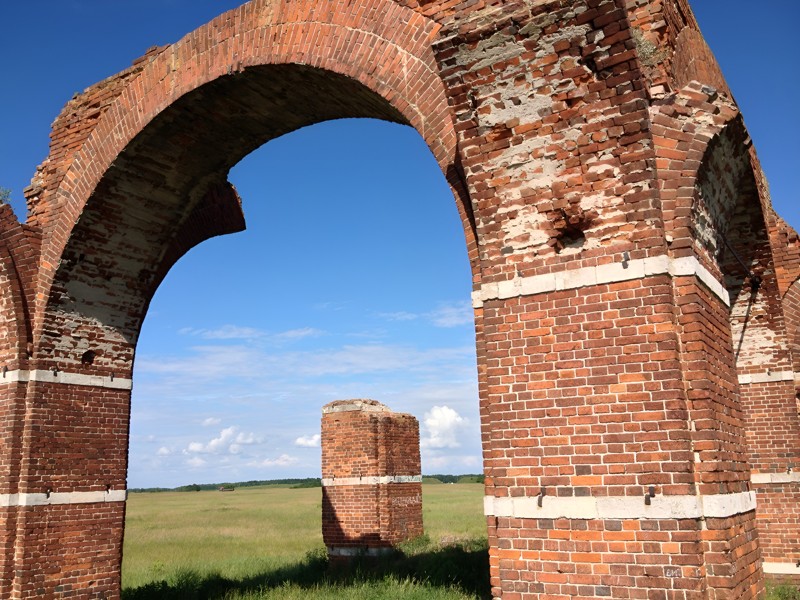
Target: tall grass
x=264, y=543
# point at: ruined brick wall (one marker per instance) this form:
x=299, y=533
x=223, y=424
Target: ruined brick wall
x=637, y=385
x=371, y=477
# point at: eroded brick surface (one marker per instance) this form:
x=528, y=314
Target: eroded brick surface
x=637, y=301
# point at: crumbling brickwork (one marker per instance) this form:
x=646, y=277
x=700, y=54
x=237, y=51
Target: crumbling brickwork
x=371, y=478
x=636, y=298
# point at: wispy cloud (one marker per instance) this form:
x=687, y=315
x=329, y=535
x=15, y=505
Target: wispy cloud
x=226, y=332
x=211, y=421
x=216, y=362
x=445, y=315
x=237, y=332
x=297, y=334
x=399, y=316
x=452, y=315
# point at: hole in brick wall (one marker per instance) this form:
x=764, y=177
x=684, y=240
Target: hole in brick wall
x=87, y=358
x=570, y=226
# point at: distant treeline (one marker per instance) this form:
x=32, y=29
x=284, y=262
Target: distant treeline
x=308, y=482
x=469, y=478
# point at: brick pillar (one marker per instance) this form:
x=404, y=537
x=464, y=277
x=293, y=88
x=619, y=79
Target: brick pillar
x=371, y=479
x=613, y=446
x=67, y=504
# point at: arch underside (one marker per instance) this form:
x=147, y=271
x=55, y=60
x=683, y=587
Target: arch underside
x=154, y=141
x=168, y=191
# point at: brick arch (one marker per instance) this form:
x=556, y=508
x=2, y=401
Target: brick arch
x=379, y=56
x=137, y=175
x=684, y=126
x=13, y=337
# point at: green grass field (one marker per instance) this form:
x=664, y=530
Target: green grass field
x=266, y=542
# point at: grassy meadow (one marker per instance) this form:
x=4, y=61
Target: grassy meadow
x=266, y=543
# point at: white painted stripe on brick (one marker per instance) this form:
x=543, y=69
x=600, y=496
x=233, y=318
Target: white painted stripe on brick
x=115, y=383
x=793, y=477
x=620, y=507
x=14, y=377
x=748, y=378
x=601, y=274
x=773, y=568
x=372, y=480
x=25, y=499
x=689, y=265
x=727, y=505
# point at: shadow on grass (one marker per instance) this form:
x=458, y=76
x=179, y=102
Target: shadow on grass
x=462, y=565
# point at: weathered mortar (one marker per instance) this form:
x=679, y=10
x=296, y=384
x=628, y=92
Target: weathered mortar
x=596, y=158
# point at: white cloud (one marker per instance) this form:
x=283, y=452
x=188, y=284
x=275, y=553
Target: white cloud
x=442, y=427
x=308, y=441
x=164, y=451
x=284, y=460
x=211, y=421
x=228, y=441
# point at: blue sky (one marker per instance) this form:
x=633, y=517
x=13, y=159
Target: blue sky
x=338, y=289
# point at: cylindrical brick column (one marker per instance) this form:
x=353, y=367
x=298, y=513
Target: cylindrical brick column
x=371, y=478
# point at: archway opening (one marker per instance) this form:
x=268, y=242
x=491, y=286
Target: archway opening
x=350, y=281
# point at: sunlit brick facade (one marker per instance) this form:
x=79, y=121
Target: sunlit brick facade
x=636, y=298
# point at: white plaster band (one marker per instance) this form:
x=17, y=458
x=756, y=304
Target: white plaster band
x=773, y=568
x=372, y=480
x=793, y=477
x=25, y=499
x=350, y=551
x=620, y=507
x=748, y=378
x=609, y=273
x=115, y=383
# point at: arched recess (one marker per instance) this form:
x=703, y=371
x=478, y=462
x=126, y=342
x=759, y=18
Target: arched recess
x=137, y=176
x=725, y=294
x=738, y=373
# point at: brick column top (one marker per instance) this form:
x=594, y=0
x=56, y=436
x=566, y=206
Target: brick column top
x=359, y=404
